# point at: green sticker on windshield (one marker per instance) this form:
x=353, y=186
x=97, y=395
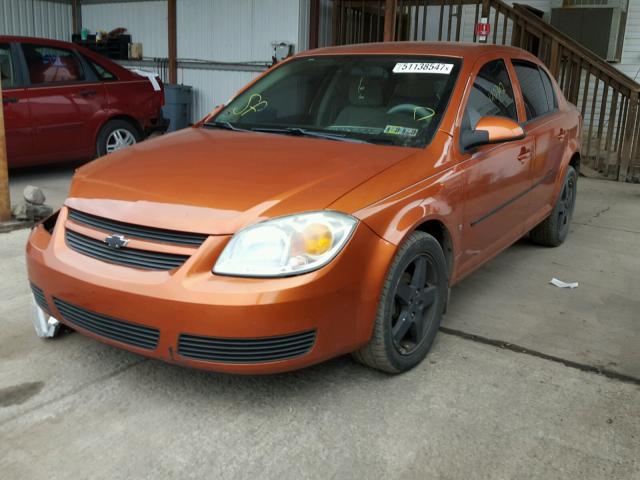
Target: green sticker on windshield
x=402, y=131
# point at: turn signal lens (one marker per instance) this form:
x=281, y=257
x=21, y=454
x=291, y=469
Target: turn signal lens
x=317, y=239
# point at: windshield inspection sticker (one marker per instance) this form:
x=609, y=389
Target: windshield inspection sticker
x=443, y=68
x=404, y=131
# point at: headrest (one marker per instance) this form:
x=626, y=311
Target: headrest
x=365, y=91
x=411, y=87
x=61, y=69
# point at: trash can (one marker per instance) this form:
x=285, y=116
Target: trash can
x=177, y=106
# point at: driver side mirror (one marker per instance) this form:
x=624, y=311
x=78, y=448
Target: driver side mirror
x=491, y=130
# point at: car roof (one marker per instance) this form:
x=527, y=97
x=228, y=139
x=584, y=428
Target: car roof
x=19, y=39
x=452, y=49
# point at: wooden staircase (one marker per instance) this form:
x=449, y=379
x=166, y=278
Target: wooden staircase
x=608, y=99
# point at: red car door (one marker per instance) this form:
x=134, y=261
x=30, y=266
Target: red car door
x=16, y=110
x=65, y=101
x=497, y=177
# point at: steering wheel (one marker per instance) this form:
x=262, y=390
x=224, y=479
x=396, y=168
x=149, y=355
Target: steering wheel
x=417, y=112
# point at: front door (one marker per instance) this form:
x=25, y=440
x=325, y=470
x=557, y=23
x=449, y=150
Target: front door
x=497, y=177
x=15, y=105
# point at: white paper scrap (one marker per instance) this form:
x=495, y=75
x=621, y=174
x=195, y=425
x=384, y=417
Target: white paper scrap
x=561, y=284
x=152, y=77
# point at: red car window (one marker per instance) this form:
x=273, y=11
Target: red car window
x=52, y=65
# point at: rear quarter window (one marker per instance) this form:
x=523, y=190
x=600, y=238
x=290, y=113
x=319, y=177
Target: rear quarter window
x=101, y=72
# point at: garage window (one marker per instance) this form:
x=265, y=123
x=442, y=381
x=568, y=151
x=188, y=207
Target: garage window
x=6, y=67
x=52, y=65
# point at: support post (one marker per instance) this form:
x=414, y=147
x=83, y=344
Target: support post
x=172, y=41
x=76, y=16
x=630, y=135
x=486, y=8
x=390, y=20
x=5, y=201
x=314, y=24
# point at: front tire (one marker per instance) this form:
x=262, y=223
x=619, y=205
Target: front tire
x=411, y=306
x=553, y=230
x=116, y=135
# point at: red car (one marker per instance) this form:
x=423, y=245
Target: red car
x=63, y=102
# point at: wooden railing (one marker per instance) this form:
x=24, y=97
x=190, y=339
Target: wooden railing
x=608, y=100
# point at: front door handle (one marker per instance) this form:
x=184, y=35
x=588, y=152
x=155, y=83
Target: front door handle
x=524, y=155
x=10, y=100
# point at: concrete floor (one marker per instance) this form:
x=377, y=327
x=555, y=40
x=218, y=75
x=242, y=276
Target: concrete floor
x=74, y=408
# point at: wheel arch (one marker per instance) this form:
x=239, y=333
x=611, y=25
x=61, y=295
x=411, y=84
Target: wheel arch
x=574, y=161
x=127, y=118
x=437, y=229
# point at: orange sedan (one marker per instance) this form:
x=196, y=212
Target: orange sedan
x=326, y=209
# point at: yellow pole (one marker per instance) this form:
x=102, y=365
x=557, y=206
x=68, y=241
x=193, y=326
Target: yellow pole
x=5, y=201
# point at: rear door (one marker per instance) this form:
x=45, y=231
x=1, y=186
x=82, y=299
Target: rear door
x=546, y=124
x=497, y=177
x=15, y=104
x=65, y=101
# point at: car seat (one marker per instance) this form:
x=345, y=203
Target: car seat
x=365, y=106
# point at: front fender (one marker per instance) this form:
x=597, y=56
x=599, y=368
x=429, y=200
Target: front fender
x=438, y=198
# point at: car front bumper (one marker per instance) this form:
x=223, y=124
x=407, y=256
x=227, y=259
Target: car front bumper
x=271, y=321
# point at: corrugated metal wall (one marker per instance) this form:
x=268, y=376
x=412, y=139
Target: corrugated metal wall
x=36, y=18
x=238, y=31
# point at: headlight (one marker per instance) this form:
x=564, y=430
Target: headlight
x=286, y=245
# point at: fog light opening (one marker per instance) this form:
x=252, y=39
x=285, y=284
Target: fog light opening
x=46, y=326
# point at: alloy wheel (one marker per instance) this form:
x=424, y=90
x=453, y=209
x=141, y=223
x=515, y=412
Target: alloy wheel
x=565, y=205
x=415, y=298
x=119, y=139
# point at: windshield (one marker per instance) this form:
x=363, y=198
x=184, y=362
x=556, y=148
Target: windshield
x=378, y=99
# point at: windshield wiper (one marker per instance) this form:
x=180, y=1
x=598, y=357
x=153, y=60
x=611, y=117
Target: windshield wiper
x=224, y=126
x=303, y=132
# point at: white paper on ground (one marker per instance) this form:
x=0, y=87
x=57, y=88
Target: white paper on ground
x=150, y=75
x=561, y=284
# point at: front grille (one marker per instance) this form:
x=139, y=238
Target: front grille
x=125, y=332
x=39, y=297
x=137, y=231
x=240, y=350
x=131, y=257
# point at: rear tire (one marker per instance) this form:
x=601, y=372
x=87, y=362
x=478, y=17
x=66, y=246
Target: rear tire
x=411, y=306
x=553, y=230
x=115, y=135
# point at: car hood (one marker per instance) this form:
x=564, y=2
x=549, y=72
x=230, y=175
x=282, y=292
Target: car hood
x=217, y=181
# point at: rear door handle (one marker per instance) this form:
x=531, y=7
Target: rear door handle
x=524, y=155
x=562, y=134
x=10, y=99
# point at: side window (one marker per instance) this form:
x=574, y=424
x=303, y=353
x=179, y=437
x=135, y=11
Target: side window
x=102, y=73
x=491, y=95
x=6, y=67
x=534, y=94
x=552, y=100
x=51, y=65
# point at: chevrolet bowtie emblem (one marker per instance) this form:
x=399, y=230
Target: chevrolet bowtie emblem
x=116, y=241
